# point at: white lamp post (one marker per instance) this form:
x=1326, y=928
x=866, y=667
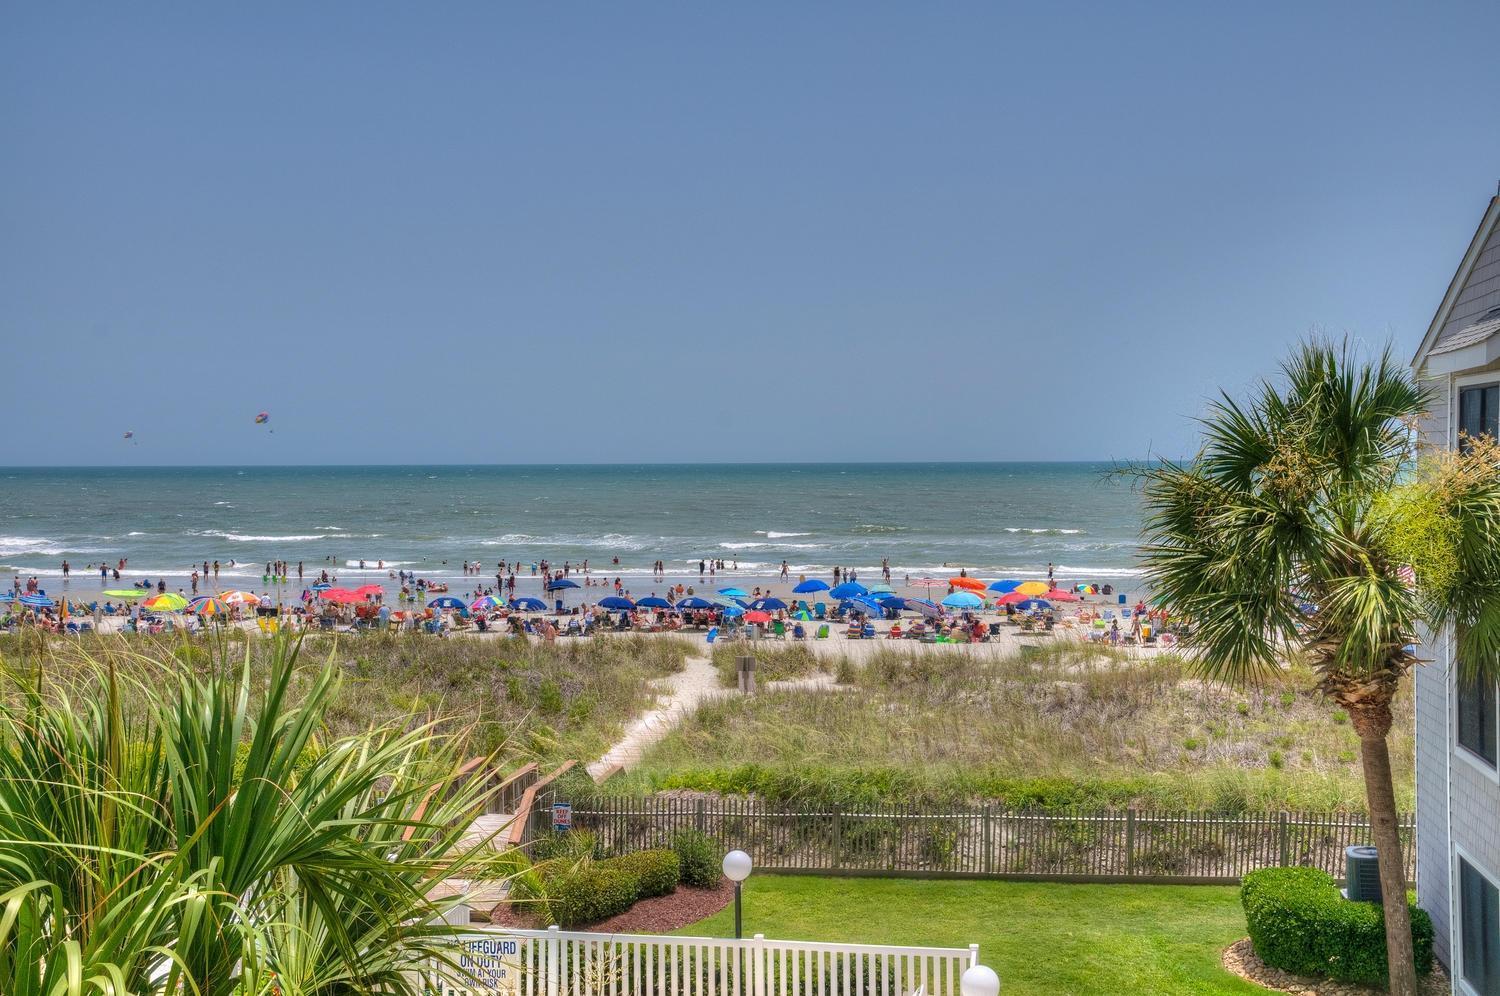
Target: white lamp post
x=737, y=868
x=979, y=980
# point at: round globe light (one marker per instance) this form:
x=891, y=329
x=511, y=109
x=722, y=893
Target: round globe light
x=980, y=980
x=737, y=866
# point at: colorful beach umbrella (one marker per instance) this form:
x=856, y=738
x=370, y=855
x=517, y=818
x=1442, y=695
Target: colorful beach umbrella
x=1033, y=588
x=809, y=586
x=923, y=606
x=848, y=589
x=972, y=584
x=963, y=600
x=485, y=603
x=928, y=583
x=166, y=602
x=1004, y=587
x=526, y=603
x=616, y=602
x=207, y=605
x=240, y=598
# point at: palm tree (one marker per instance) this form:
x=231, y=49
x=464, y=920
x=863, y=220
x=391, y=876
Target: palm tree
x=1298, y=525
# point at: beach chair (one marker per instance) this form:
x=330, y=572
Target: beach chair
x=820, y=611
x=778, y=629
x=713, y=634
x=798, y=632
x=823, y=632
x=868, y=632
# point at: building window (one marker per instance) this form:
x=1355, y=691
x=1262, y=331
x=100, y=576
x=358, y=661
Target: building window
x=1479, y=411
x=1476, y=719
x=1479, y=929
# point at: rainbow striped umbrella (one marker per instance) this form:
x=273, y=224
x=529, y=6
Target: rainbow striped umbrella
x=485, y=603
x=166, y=602
x=207, y=605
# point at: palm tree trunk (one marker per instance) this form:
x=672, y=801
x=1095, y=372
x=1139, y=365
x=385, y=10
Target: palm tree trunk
x=1380, y=796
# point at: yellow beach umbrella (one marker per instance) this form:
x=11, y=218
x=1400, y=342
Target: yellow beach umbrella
x=167, y=602
x=240, y=598
x=1033, y=588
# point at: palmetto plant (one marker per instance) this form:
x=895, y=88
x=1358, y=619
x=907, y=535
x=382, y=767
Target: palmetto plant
x=1295, y=528
x=202, y=840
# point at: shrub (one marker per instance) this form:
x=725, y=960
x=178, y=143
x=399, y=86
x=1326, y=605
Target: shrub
x=700, y=859
x=590, y=894
x=567, y=846
x=1299, y=922
x=657, y=872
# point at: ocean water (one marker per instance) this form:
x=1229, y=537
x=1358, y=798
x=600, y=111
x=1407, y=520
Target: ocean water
x=995, y=519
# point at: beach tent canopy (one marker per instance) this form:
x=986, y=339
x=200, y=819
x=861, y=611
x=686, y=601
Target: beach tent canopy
x=654, y=602
x=616, y=602
x=963, y=600
x=1004, y=587
x=528, y=604
x=809, y=586
x=849, y=589
x=557, y=584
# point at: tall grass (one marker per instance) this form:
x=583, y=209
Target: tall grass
x=176, y=830
x=1068, y=725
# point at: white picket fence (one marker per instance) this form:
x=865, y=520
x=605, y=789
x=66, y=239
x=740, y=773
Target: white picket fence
x=566, y=963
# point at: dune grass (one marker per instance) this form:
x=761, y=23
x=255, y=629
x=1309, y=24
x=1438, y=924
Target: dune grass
x=539, y=701
x=1066, y=725
x=1044, y=939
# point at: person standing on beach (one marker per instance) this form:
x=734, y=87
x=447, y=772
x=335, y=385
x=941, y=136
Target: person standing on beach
x=1049, y=572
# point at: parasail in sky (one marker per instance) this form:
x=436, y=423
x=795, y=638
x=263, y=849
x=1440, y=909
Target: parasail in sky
x=262, y=418
x=129, y=433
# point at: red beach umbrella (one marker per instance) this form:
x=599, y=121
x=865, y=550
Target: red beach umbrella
x=367, y=590
x=972, y=584
x=758, y=617
x=1058, y=595
x=1014, y=598
x=341, y=595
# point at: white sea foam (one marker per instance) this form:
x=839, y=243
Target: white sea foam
x=1043, y=532
x=43, y=546
x=773, y=534
x=771, y=546
x=291, y=538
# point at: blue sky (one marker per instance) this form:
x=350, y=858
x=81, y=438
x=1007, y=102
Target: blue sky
x=499, y=233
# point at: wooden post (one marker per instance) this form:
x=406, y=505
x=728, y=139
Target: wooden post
x=701, y=818
x=838, y=838
x=1285, y=843
x=1130, y=842
x=989, y=843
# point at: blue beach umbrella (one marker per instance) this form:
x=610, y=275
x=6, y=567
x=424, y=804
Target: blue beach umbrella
x=654, y=602
x=447, y=602
x=923, y=606
x=321, y=586
x=1034, y=605
x=767, y=604
x=848, y=590
x=616, y=602
x=528, y=604
x=963, y=600
x=867, y=604
x=893, y=602
x=557, y=584
x=733, y=610
x=1004, y=587
x=694, y=602
x=809, y=586
x=734, y=592
x=37, y=601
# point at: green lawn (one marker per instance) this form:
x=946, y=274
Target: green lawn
x=1043, y=938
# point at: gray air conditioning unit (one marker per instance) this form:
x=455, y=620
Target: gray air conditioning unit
x=1361, y=874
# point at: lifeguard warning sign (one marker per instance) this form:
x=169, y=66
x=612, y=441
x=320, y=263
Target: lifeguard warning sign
x=489, y=966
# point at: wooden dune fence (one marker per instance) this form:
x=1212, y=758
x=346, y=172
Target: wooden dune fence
x=988, y=842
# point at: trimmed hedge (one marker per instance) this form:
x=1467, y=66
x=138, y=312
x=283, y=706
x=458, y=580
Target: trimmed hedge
x=590, y=895
x=1300, y=923
x=656, y=872
x=701, y=861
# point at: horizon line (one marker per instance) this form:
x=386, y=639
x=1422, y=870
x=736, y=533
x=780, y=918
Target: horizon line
x=556, y=464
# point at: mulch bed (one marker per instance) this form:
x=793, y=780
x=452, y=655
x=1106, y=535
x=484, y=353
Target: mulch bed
x=656, y=915
x=1240, y=959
